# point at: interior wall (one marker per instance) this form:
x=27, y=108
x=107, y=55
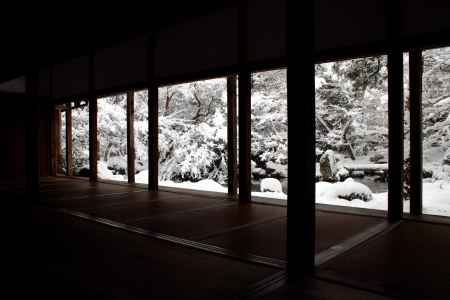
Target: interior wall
x=12, y=131
x=45, y=159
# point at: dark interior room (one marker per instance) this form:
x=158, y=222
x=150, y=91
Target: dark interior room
x=147, y=150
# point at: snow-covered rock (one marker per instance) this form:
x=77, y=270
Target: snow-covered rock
x=271, y=185
x=328, y=168
x=342, y=174
x=350, y=189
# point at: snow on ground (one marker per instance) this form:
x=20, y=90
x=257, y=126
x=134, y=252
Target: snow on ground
x=328, y=193
x=436, y=195
x=202, y=185
x=141, y=177
x=105, y=173
x=436, y=198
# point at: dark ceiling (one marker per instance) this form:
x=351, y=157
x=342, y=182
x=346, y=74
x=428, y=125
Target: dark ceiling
x=41, y=36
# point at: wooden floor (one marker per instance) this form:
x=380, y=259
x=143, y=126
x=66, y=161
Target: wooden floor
x=247, y=238
x=249, y=228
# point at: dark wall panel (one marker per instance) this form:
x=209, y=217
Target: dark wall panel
x=12, y=131
x=71, y=78
x=349, y=23
x=266, y=30
x=205, y=43
x=45, y=117
x=424, y=16
x=44, y=83
x=121, y=65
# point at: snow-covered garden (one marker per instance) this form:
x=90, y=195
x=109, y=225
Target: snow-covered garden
x=351, y=134
x=351, y=107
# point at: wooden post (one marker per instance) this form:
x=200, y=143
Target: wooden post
x=130, y=137
x=244, y=108
x=395, y=106
x=93, y=145
x=301, y=141
x=415, y=101
x=69, y=158
x=232, y=136
x=55, y=145
x=153, y=149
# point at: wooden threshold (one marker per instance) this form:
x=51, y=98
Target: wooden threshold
x=353, y=242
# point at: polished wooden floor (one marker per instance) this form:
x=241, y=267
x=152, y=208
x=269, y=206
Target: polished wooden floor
x=113, y=231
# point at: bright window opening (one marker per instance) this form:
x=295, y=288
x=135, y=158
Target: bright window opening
x=352, y=133
x=80, y=139
x=436, y=131
x=193, y=135
x=112, y=138
x=269, y=134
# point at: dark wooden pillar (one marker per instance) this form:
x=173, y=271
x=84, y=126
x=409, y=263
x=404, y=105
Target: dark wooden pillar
x=153, y=149
x=415, y=102
x=32, y=137
x=55, y=145
x=396, y=118
x=55, y=129
x=301, y=141
x=232, y=136
x=244, y=108
x=93, y=145
x=130, y=136
x=69, y=158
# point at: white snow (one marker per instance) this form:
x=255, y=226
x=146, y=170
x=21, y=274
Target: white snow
x=105, y=173
x=270, y=185
x=202, y=185
x=436, y=198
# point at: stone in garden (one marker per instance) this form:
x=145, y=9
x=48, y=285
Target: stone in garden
x=446, y=159
x=271, y=185
x=358, y=174
x=377, y=158
x=328, y=167
x=426, y=173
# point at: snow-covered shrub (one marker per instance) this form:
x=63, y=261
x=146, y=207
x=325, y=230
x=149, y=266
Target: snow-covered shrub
x=271, y=185
x=80, y=140
x=193, y=132
x=269, y=124
x=350, y=190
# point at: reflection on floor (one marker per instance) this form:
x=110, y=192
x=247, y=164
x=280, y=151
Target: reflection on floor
x=383, y=265
x=244, y=228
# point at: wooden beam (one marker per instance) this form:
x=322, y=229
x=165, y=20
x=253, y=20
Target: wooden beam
x=395, y=106
x=69, y=158
x=232, y=136
x=93, y=130
x=153, y=149
x=415, y=108
x=130, y=137
x=301, y=141
x=244, y=108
